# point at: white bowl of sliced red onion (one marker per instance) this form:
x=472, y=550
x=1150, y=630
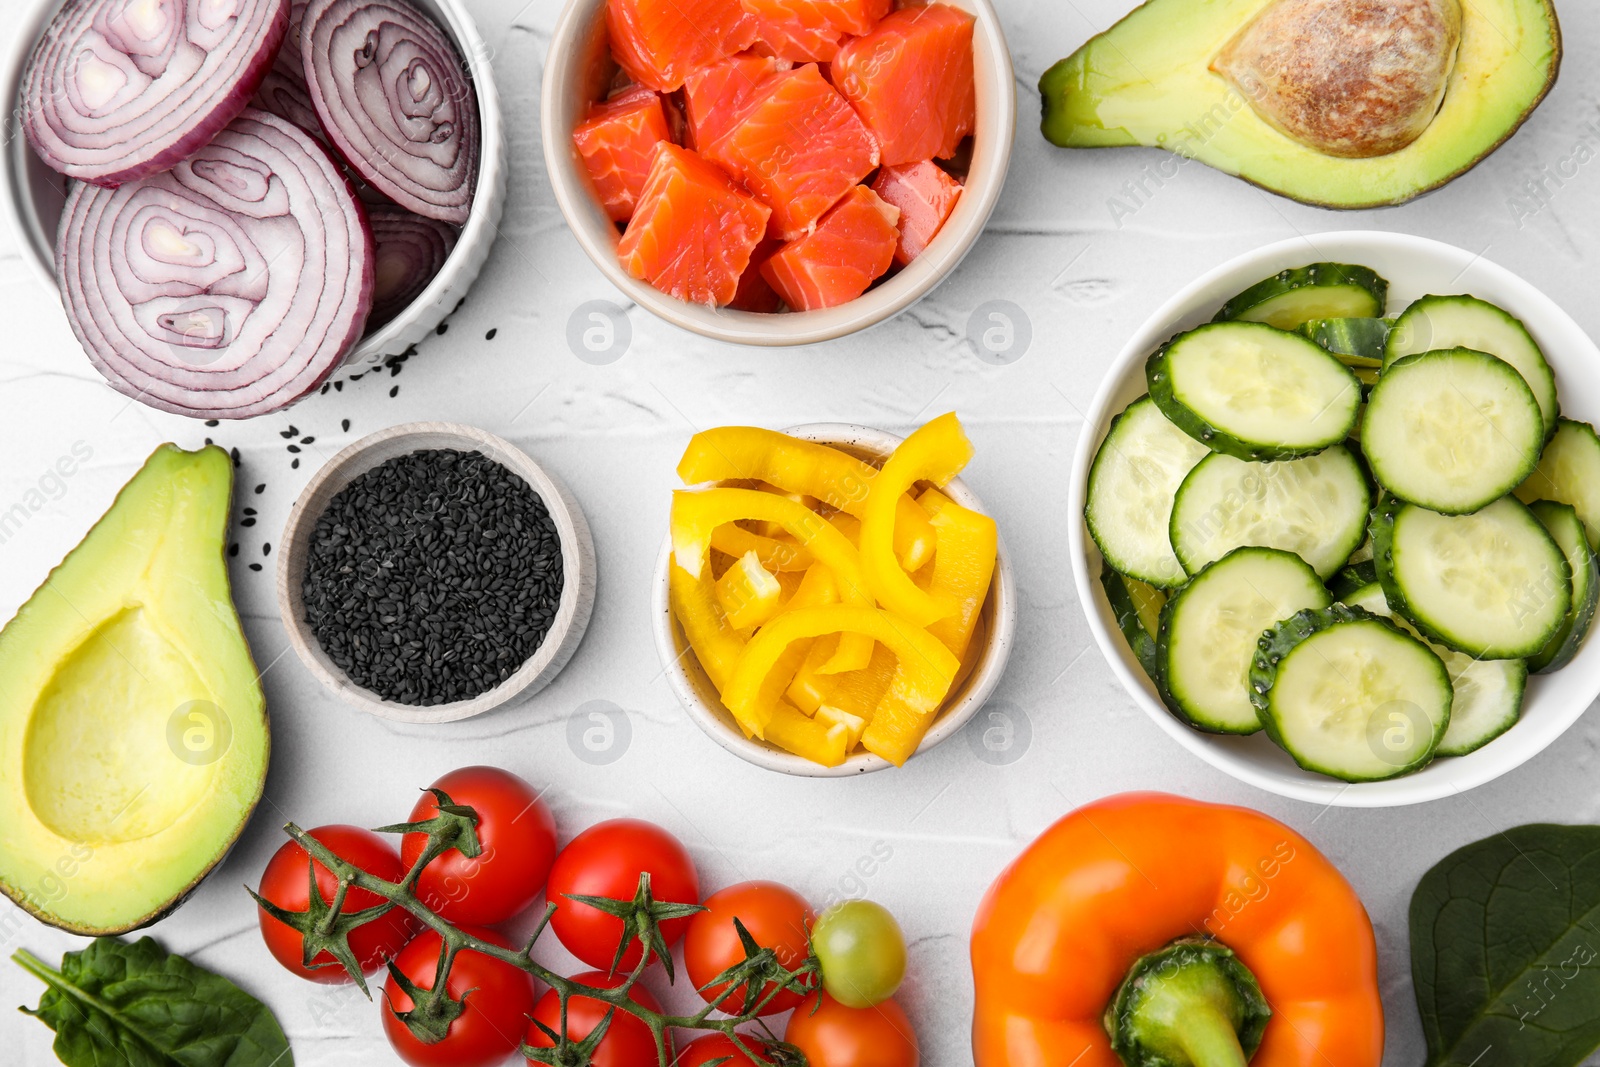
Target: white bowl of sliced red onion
x=237, y=199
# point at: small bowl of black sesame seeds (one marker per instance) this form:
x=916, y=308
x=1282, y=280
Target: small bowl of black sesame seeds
x=432, y=572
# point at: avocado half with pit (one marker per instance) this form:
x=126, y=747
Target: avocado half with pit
x=133, y=732
x=1338, y=103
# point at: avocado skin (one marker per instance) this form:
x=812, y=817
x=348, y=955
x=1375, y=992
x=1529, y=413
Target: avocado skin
x=163, y=541
x=1182, y=36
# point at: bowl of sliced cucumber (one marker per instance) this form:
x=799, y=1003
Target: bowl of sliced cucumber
x=1341, y=507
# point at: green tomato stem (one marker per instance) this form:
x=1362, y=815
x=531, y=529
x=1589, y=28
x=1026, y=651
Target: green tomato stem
x=1190, y=1004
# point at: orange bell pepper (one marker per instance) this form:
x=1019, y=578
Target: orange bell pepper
x=696, y=514
x=922, y=675
x=963, y=566
x=1101, y=894
x=802, y=467
x=935, y=453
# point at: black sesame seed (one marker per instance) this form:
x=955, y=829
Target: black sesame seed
x=492, y=331
x=338, y=387
x=432, y=577
x=294, y=465
x=249, y=511
x=247, y=522
x=395, y=391
x=441, y=328
x=255, y=566
x=233, y=550
x=294, y=448
x=345, y=425
x=212, y=422
x=262, y=488
x=266, y=549
x=307, y=440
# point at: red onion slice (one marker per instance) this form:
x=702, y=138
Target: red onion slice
x=227, y=287
x=411, y=249
x=396, y=101
x=283, y=91
x=116, y=90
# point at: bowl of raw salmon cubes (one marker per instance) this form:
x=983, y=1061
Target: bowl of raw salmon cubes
x=777, y=172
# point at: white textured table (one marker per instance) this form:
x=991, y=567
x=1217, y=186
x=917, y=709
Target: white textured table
x=1086, y=272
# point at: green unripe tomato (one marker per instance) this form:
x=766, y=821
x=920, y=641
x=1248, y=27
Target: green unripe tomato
x=862, y=953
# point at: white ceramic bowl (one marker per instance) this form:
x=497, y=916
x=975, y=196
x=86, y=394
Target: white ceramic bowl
x=699, y=697
x=577, y=72
x=1414, y=267
x=577, y=562
x=34, y=194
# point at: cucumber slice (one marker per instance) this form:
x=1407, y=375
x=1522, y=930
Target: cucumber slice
x=1253, y=391
x=1132, y=481
x=1316, y=291
x=1364, y=553
x=1493, y=584
x=1437, y=322
x=1569, y=472
x=1357, y=342
x=1451, y=430
x=1353, y=578
x=1564, y=525
x=1349, y=694
x=1210, y=627
x=1488, y=692
x=1137, y=606
x=1315, y=507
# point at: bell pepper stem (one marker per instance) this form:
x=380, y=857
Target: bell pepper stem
x=1190, y=1003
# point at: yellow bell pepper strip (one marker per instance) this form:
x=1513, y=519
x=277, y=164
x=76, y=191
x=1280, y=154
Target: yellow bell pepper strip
x=848, y=525
x=697, y=513
x=748, y=592
x=716, y=644
x=963, y=566
x=833, y=476
x=936, y=453
x=819, y=742
x=810, y=686
x=776, y=554
x=854, y=725
x=817, y=589
x=922, y=675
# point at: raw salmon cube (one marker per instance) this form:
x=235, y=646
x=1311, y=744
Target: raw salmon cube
x=911, y=79
x=780, y=34
x=692, y=234
x=713, y=95
x=798, y=146
x=811, y=30
x=754, y=293
x=618, y=142
x=658, y=42
x=851, y=247
x=925, y=195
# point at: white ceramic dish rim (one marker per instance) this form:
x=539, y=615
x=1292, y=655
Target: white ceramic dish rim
x=430, y=306
x=718, y=723
x=577, y=561
x=997, y=117
x=1254, y=759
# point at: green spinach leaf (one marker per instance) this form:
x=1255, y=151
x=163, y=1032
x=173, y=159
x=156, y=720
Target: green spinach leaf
x=1505, y=950
x=133, y=1004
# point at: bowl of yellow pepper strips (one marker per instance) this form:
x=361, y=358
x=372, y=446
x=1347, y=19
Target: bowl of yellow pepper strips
x=831, y=600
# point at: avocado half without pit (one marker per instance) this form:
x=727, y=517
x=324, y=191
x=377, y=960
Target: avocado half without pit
x=133, y=733
x=1339, y=103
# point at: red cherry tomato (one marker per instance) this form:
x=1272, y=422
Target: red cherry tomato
x=605, y=861
x=775, y=915
x=702, y=1050
x=628, y=1041
x=497, y=1007
x=517, y=835
x=286, y=883
x=837, y=1036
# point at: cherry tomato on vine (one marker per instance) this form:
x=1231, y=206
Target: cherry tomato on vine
x=862, y=953
x=776, y=917
x=497, y=1006
x=287, y=884
x=628, y=1041
x=605, y=861
x=517, y=835
x=703, y=1050
x=837, y=1036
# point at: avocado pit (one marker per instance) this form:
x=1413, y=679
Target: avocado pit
x=1349, y=78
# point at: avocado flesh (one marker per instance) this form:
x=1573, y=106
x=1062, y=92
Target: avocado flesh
x=133, y=732
x=1147, y=81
